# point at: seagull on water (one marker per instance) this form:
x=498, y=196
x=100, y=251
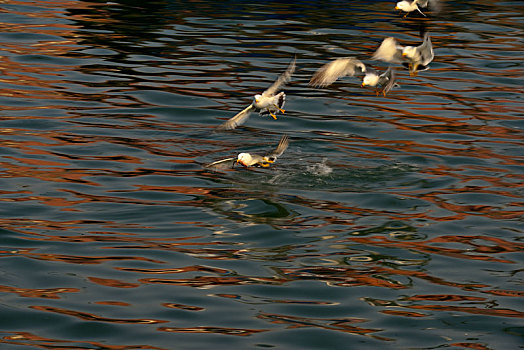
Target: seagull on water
x=269, y=102
x=249, y=159
x=350, y=66
x=416, y=57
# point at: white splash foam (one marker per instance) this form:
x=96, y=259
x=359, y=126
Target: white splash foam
x=320, y=169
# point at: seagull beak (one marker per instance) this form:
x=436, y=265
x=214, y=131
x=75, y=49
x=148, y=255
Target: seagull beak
x=363, y=84
x=396, y=8
x=256, y=100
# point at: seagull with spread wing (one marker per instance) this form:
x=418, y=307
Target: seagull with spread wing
x=409, y=6
x=350, y=66
x=416, y=57
x=269, y=102
x=249, y=159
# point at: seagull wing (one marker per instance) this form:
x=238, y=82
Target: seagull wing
x=222, y=164
x=330, y=72
x=388, y=80
x=281, y=147
x=237, y=120
x=426, y=50
x=282, y=79
x=389, y=51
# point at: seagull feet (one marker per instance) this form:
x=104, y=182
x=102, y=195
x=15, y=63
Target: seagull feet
x=380, y=91
x=274, y=116
x=413, y=69
x=282, y=110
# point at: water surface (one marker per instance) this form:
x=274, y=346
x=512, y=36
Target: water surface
x=390, y=222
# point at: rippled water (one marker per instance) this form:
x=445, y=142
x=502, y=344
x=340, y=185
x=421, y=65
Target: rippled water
x=389, y=222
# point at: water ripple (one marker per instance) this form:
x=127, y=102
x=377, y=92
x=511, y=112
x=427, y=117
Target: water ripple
x=383, y=211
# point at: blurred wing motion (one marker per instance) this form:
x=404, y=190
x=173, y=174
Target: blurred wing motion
x=389, y=51
x=419, y=57
x=237, y=120
x=277, y=152
x=282, y=79
x=223, y=164
x=387, y=80
x=331, y=71
x=435, y=5
x=426, y=50
x=413, y=57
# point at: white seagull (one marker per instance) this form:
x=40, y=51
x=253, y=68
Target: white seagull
x=269, y=102
x=248, y=159
x=416, y=57
x=409, y=6
x=350, y=66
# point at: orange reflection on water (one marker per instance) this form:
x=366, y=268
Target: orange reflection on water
x=54, y=174
x=200, y=268
x=242, y=332
x=49, y=293
x=109, y=282
x=484, y=308
x=38, y=80
x=335, y=324
x=484, y=251
x=77, y=259
x=404, y=313
x=112, y=303
x=183, y=307
x=211, y=281
x=470, y=310
x=31, y=340
x=92, y=317
x=342, y=276
x=474, y=346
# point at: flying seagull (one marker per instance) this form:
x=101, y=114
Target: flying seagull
x=416, y=57
x=248, y=159
x=269, y=102
x=409, y=6
x=350, y=66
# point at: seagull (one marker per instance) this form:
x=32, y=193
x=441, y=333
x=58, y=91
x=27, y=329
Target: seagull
x=269, y=102
x=416, y=57
x=409, y=6
x=248, y=159
x=350, y=66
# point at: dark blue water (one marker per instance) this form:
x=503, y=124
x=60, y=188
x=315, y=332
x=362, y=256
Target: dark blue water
x=390, y=222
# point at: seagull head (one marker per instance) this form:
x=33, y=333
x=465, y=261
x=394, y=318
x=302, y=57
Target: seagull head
x=409, y=52
x=370, y=79
x=257, y=98
x=244, y=159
